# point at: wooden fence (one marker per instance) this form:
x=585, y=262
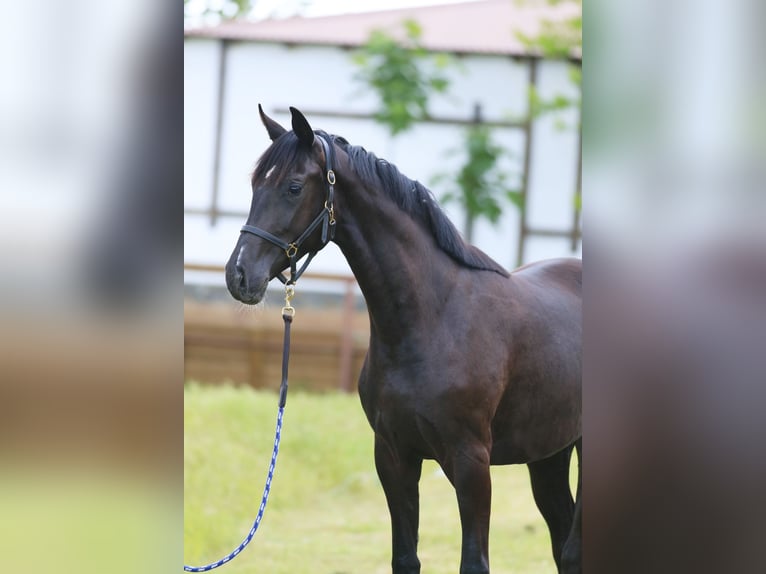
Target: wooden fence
x=225, y=342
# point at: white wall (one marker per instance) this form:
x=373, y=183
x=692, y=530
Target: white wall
x=321, y=78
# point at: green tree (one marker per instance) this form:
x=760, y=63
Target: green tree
x=480, y=187
x=557, y=39
x=403, y=74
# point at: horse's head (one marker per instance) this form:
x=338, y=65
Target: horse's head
x=291, y=211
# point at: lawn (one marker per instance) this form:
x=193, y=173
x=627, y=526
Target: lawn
x=327, y=513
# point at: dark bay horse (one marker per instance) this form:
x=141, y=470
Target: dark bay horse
x=467, y=364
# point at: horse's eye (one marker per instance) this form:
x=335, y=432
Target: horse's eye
x=294, y=188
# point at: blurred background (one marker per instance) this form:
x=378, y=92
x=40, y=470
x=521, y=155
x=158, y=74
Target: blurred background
x=91, y=251
x=674, y=165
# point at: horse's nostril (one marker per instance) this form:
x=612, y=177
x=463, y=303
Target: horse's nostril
x=241, y=281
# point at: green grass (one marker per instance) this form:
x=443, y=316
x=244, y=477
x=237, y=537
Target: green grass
x=327, y=513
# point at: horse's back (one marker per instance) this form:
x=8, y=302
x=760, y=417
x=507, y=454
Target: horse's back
x=550, y=293
x=564, y=272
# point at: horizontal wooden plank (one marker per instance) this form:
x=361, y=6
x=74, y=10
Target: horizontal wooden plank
x=222, y=345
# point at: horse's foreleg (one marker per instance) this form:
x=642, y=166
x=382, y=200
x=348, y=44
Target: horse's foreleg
x=469, y=474
x=399, y=476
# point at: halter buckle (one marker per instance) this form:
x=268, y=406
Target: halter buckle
x=330, y=177
x=291, y=251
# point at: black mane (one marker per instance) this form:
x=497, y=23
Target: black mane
x=414, y=198
x=411, y=196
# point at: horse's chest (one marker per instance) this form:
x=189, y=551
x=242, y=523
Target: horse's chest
x=390, y=399
x=388, y=391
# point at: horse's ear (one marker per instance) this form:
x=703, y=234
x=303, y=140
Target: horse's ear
x=302, y=128
x=274, y=129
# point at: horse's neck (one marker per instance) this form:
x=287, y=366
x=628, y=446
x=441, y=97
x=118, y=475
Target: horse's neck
x=397, y=265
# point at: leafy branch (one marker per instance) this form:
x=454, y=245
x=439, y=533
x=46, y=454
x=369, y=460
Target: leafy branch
x=556, y=39
x=403, y=74
x=480, y=186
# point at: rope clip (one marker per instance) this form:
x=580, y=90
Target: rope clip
x=288, y=310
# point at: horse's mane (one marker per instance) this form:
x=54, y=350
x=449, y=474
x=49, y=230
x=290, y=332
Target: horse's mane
x=411, y=196
x=414, y=198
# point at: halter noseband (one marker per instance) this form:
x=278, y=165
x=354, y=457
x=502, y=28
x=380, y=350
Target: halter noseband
x=326, y=218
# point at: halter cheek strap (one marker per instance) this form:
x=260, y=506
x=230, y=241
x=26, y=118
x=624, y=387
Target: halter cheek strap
x=326, y=218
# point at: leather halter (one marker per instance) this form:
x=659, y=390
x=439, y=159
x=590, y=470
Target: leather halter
x=326, y=218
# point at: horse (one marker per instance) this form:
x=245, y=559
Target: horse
x=467, y=364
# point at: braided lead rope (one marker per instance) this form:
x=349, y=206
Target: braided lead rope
x=264, y=500
x=288, y=312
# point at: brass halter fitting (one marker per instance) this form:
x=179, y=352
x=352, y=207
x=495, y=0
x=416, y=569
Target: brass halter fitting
x=292, y=250
x=331, y=213
x=289, y=294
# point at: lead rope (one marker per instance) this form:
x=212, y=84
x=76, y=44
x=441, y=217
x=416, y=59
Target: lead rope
x=288, y=312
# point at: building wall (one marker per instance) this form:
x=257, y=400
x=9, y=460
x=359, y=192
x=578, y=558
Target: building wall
x=319, y=81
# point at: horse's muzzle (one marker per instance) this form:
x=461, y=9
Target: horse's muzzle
x=242, y=288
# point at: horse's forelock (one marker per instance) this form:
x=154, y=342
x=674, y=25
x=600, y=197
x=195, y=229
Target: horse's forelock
x=278, y=159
